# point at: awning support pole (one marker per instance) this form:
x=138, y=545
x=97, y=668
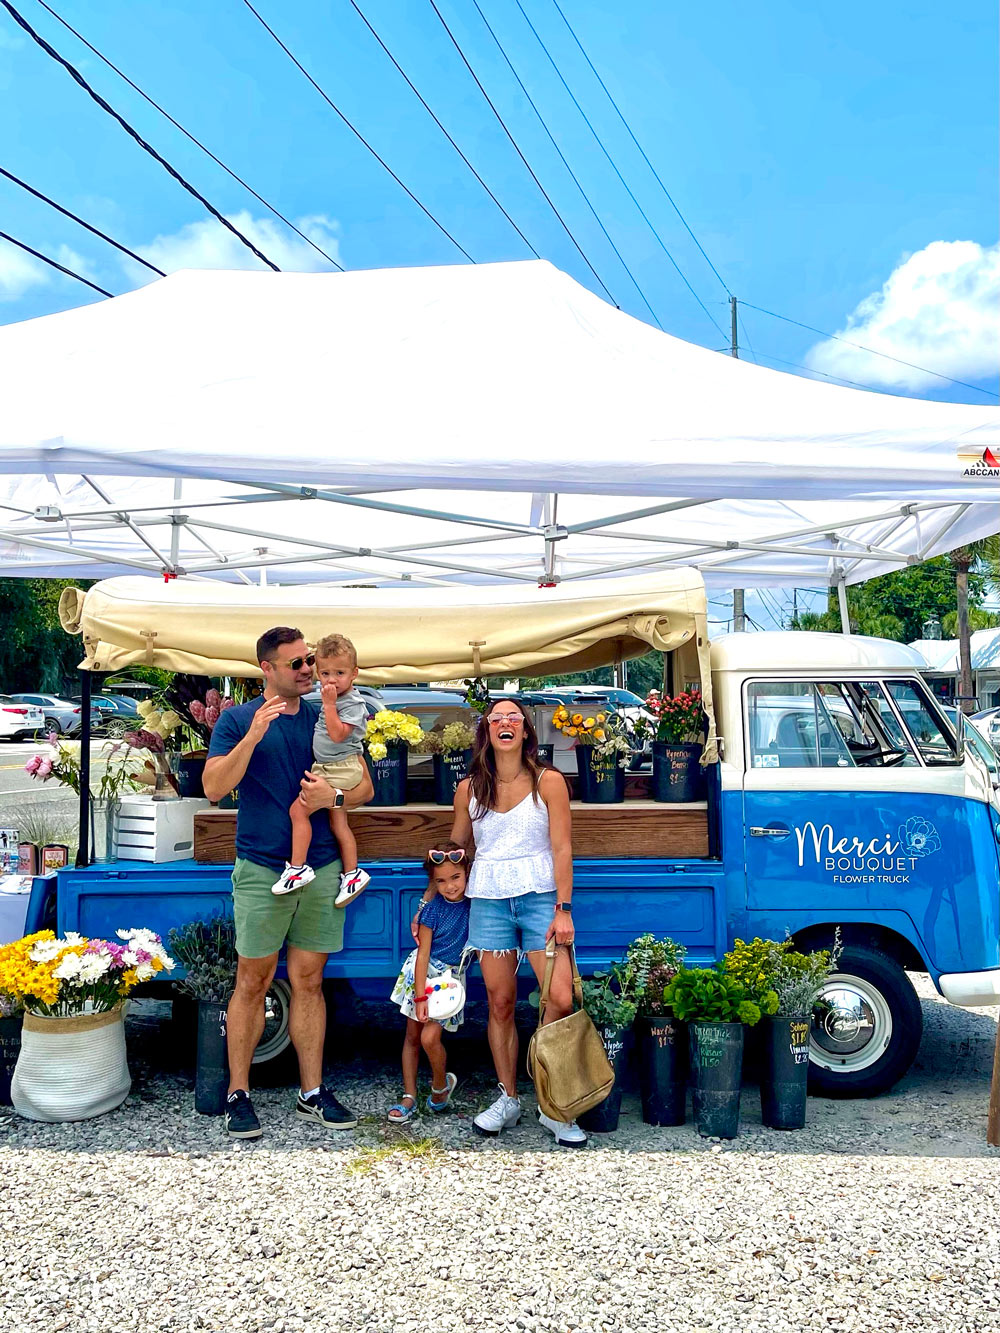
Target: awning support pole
x=845, y=617
x=83, y=848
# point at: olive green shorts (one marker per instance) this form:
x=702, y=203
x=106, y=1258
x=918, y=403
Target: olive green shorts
x=305, y=918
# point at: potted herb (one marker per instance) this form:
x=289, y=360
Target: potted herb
x=650, y=966
x=612, y=1011
x=602, y=753
x=799, y=979
x=451, y=748
x=677, y=745
x=389, y=734
x=207, y=952
x=716, y=1007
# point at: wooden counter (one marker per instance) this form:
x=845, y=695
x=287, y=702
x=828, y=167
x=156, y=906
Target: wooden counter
x=387, y=833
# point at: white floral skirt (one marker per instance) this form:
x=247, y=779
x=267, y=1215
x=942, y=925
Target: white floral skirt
x=403, y=991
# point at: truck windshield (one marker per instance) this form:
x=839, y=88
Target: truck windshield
x=843, y=724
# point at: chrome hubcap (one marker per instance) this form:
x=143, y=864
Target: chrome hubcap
x=852, y=1025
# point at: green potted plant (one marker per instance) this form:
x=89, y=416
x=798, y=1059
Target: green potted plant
x=716, y=1008
x=207, y=952
x=799, y=979
x=388, y=736
x=451, y=748
x=602, y=753
x=677, y=745
x=661, y=1038
x=612, y=1011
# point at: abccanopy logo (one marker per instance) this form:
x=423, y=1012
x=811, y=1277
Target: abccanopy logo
x=980, y=462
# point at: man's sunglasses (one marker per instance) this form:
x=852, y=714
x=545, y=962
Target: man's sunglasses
x=511, y=719
x=438, y=858
x=297, y=663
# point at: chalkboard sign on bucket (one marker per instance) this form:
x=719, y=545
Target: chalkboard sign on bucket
x=785, y=1072
x=663, y=1068
x=449, y=770
x=716, y=1075
x=389, y=775
x=10, y=1048
x=677, y=774
x=601, y=778
x=212, y=1074
x=603, y=1118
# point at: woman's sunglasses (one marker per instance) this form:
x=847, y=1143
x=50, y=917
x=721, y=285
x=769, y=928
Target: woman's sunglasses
x=439, y=858
x=297, y=663
x=511, y=719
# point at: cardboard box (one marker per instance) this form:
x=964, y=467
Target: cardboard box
x=158, y=831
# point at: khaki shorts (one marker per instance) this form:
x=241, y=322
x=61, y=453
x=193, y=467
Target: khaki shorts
x=344, y=774
x=305, y=919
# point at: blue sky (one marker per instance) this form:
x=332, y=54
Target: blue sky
x=837, y=163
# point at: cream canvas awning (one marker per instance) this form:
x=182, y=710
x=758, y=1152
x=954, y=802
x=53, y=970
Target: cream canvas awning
x=402, y=635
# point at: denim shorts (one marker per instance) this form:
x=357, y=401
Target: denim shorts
x=499, y=924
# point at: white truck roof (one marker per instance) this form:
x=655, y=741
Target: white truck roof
x=808, y=651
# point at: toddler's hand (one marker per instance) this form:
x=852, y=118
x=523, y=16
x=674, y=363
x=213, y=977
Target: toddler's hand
x=329, y=692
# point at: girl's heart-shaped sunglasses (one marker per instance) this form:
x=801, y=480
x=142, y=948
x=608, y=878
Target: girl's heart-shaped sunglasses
x=438, y=858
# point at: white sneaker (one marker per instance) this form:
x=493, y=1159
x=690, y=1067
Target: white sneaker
x=503, y=1114
x=352, y=882
x=292, y=878
x=568, y=1133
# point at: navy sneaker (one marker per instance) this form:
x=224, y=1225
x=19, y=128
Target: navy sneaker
x=241, y=1118
x=324, y=1108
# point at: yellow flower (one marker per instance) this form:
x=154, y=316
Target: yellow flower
x=170, y=720
x=577, y=719
x=599, y=734
x=571, y=731
x=602, y=717
x=589, y=723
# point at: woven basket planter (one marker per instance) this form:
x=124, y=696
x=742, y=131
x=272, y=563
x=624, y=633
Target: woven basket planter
x=71, y=1068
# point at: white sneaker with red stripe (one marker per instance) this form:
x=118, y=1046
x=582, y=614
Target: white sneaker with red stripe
x=292, y=878
x=352, y=882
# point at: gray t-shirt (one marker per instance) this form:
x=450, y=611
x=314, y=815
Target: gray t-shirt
x=352, y=710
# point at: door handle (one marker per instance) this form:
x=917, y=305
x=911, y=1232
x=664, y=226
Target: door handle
x=772, y=831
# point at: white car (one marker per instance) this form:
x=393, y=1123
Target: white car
x=19, y=721
x=987, y=723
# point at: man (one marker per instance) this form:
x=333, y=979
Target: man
x=265, y=748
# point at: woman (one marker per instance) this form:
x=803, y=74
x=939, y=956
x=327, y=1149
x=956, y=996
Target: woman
x=520, y=885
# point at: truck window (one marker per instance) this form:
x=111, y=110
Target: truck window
x=932, y=738
x=824, y=724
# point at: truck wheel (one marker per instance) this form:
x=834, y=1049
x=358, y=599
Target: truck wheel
x=275, y=1037
x=866, y=1027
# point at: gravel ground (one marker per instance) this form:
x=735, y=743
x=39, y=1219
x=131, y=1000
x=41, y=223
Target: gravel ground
x=879, y=1215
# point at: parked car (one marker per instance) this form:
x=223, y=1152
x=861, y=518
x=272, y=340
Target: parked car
x=987, y=723
x=59, y=715
x=118, y=714
x=19, y=721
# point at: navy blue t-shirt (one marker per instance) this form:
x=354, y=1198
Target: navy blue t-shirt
x=449, y=925
x=272, y=782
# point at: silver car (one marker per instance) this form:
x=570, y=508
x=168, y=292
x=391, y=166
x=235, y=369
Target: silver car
x=62, y=716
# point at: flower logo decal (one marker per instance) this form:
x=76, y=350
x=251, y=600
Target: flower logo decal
x=919, y=837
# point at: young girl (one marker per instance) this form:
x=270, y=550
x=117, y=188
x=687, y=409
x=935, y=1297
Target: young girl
x=442, y=934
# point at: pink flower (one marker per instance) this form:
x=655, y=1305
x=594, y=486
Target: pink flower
x=33, y=764
x=197, y=710
x=45, y=768
x=226, y=703
x=212, y=699
x=211, y=714
x=53, y=738
x=145, y=740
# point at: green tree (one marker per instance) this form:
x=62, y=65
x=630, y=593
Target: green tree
x=982, y=556
x=36, y=653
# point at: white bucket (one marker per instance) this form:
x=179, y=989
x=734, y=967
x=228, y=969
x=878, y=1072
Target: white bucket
x=71, y=1068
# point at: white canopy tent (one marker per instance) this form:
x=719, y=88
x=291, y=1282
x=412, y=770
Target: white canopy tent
x=459, y=424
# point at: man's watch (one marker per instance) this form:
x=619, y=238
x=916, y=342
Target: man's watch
x=564, y=907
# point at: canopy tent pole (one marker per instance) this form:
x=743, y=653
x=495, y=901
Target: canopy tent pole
x=84, y=849
x=845, y=618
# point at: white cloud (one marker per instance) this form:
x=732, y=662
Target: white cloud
x=18, y=272
x=938, y=309
x=208, y=244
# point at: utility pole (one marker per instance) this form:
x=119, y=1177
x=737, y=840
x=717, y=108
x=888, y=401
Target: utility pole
x=739, y=611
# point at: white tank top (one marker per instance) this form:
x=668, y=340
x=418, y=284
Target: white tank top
x=513, y=851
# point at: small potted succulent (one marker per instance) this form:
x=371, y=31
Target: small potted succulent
x=680, y=721
x=612, y=1011
x=451, y=748
x=717, y=1008
x=388, y=736
x=207, y=952
x=650, y=966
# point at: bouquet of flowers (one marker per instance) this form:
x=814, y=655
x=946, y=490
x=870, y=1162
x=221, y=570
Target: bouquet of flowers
x=119, y=770
x=389, y=727
x=197, y=704
x=604, y=732
x=56, y=977
x=679, y=717
x=451, y=739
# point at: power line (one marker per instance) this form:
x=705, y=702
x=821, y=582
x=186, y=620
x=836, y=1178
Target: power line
x=795, y=365
x=562, y=158
x=628, y=128
x=441, y=127
x=835, y=337
x=148, y=148
x=746, y=332
x=193, y=138
x=47, y=260
x=659, y=239
x=510, y=136
x=356, y=132
x=66, y=213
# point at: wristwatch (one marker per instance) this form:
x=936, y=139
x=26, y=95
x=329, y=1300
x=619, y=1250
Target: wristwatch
x=564, y=907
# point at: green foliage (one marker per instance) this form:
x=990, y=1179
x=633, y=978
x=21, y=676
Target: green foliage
x=607, y=1001
x=755, y=966
x=978, y=619
x=801, y=976
x=895, y=606
x=650, y=965
x=36, y=653
x=708, y=995
x=207, y=951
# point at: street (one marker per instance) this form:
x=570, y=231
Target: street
x=41, y=811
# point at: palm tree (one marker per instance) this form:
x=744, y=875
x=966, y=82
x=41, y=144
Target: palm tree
x=985, y=552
